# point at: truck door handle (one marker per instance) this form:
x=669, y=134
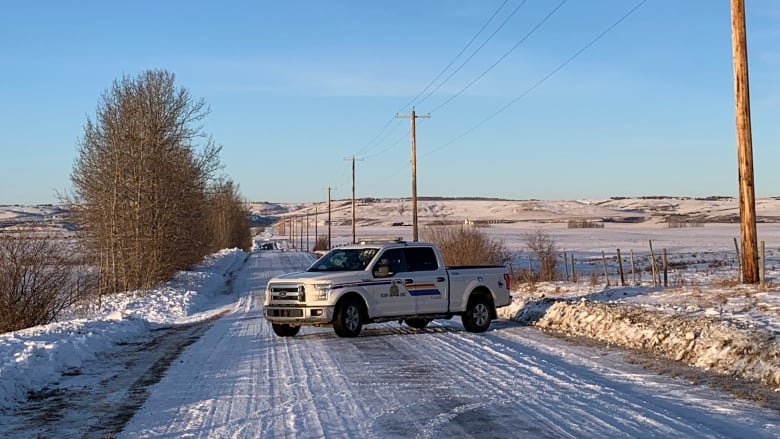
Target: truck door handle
x=408, y=281
x=440, y=279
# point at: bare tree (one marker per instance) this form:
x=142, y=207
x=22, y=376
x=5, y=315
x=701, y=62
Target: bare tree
x=543, y=247
x=228, y=223
x=37, y=282
x=140, y=182
x=461, y=245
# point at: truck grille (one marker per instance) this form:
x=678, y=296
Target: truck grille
x=288, y=293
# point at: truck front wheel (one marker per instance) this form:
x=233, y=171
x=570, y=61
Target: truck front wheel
x=477, y=316
x=349, y=319
x=283, y=330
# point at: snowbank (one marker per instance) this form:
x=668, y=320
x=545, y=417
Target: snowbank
x=33, y=358
x=704, y=342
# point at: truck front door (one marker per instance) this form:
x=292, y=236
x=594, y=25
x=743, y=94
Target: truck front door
x=389, y=289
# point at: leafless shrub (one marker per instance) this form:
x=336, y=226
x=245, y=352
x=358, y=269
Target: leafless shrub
x=37, y=282
x=726, y=283
x=527, y=277
x=594, y=279
x=543, y=247
x=321, y=244
x=462, y=245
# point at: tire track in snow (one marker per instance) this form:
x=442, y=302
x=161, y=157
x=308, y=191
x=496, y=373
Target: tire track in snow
x=242, y=381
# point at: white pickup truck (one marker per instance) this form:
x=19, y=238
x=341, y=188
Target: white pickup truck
x=383, y=281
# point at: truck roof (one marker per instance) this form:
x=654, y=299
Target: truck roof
x=385, y=242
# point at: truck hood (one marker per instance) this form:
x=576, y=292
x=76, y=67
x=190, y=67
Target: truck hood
x=323, y=276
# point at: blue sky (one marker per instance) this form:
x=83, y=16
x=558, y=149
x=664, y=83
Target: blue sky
x=295, y=88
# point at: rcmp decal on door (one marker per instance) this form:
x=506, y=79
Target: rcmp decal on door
x=394, y=291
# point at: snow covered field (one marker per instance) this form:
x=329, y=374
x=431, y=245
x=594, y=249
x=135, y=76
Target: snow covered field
x=258, y=384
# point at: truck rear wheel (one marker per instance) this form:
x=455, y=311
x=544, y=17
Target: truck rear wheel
x=477, y=316
x=283, y=330
x=349, y=319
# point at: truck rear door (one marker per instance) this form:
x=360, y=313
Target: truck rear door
x=425, y=280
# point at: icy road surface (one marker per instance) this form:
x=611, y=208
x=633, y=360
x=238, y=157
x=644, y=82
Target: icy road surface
x=241, y=381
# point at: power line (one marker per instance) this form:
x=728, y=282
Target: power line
x=368, y=146
x=461, y=53
x=522, y=40
x=545, y=78
x=405, y=135
x=473, y=54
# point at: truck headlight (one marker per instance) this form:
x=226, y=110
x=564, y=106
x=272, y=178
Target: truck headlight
x=321, y=291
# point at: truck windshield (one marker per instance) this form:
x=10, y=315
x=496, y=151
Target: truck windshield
x=344, y=260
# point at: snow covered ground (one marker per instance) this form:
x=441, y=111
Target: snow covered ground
x=561, y=389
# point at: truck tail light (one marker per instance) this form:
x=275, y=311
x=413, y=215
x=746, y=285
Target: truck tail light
x=508, y=281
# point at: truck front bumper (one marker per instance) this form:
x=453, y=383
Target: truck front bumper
x=299, y=315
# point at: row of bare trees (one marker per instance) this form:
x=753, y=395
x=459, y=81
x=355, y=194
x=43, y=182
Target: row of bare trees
x=148, y=200
x=146, y=191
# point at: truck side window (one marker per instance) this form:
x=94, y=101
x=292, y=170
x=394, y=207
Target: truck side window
x=382, y=268
x=421, y=259
x=394, y=260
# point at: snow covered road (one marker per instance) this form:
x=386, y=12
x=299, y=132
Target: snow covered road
x=240, y=380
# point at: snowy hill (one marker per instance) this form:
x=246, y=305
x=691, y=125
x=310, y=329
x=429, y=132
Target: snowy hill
x=458, y=210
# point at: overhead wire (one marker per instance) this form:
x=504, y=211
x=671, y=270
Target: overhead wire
x=498, y=61
x=543, y=79
x=479, y=32
x=506, y=20
x=405, y=135
x=369, y=144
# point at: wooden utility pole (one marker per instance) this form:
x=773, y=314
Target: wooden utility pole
x=329, y=239
x=353, y=195
x=413, y=116
x=747, y=197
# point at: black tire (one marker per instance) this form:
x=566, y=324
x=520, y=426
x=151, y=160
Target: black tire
x=478, y=314
x=284, y=330
x=349, y=319
x=417, y=323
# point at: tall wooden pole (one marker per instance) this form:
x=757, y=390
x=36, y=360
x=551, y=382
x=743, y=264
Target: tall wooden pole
x=414, y=179
x=329, y=241
x=353, y=197
x=413, y=117
x=747, y=198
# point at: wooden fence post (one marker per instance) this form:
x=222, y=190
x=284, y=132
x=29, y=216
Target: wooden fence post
x=620, y=269
x=654, y=265
x=573, y=273
x=633, y=268
x=566, y=265
x=762, y=265
x=604, y=259
x=666, y=270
